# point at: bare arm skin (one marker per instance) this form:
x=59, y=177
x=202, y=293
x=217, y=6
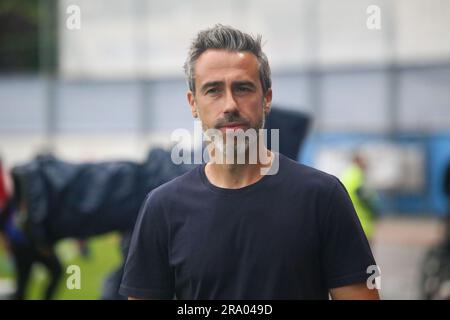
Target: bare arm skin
x=358, y=291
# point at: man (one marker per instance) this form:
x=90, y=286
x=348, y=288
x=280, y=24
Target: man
x=228, y=231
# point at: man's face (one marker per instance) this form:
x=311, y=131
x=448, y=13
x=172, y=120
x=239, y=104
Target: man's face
x=228, y=91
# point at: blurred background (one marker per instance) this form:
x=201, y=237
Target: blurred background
x=96, y=80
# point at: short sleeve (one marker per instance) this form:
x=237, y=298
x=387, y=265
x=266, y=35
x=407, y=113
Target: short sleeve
x=147, y=273
x=345, y=250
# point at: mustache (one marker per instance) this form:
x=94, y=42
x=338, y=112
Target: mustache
x=231, y=118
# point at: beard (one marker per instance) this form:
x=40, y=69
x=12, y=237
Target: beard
x=234, y=145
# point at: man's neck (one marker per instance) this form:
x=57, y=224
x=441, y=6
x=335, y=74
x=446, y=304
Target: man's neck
x=235, y=176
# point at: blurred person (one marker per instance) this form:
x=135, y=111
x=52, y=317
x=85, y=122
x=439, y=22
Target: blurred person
x=228, y=231
x=25, y=252
x=363, y=197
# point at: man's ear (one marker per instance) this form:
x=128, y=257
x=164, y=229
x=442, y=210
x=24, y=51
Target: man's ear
x=192, y=103
x=267, y=101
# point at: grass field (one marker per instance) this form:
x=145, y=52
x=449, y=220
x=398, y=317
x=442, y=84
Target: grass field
x=104, y=256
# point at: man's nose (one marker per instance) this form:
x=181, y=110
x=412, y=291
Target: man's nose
x=230, y=103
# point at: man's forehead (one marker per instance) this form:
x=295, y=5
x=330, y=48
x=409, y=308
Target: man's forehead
x=215, y=64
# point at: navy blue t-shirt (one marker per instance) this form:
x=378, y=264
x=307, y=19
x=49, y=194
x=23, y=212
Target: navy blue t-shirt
x=293, y=235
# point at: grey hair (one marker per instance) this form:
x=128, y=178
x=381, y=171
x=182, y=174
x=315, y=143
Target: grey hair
x=231, y=39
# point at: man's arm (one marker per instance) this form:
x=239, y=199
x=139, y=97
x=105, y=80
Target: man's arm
x=147, y=272
x=358, y=291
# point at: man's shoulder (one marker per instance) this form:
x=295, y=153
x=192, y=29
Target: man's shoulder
x=172, y=188
x=306, y=172
x=305, y=175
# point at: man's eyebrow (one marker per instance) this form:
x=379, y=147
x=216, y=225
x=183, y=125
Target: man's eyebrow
x=211, y=84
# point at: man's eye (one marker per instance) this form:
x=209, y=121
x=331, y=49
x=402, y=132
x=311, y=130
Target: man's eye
x=212, y=91
x=243, y=89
